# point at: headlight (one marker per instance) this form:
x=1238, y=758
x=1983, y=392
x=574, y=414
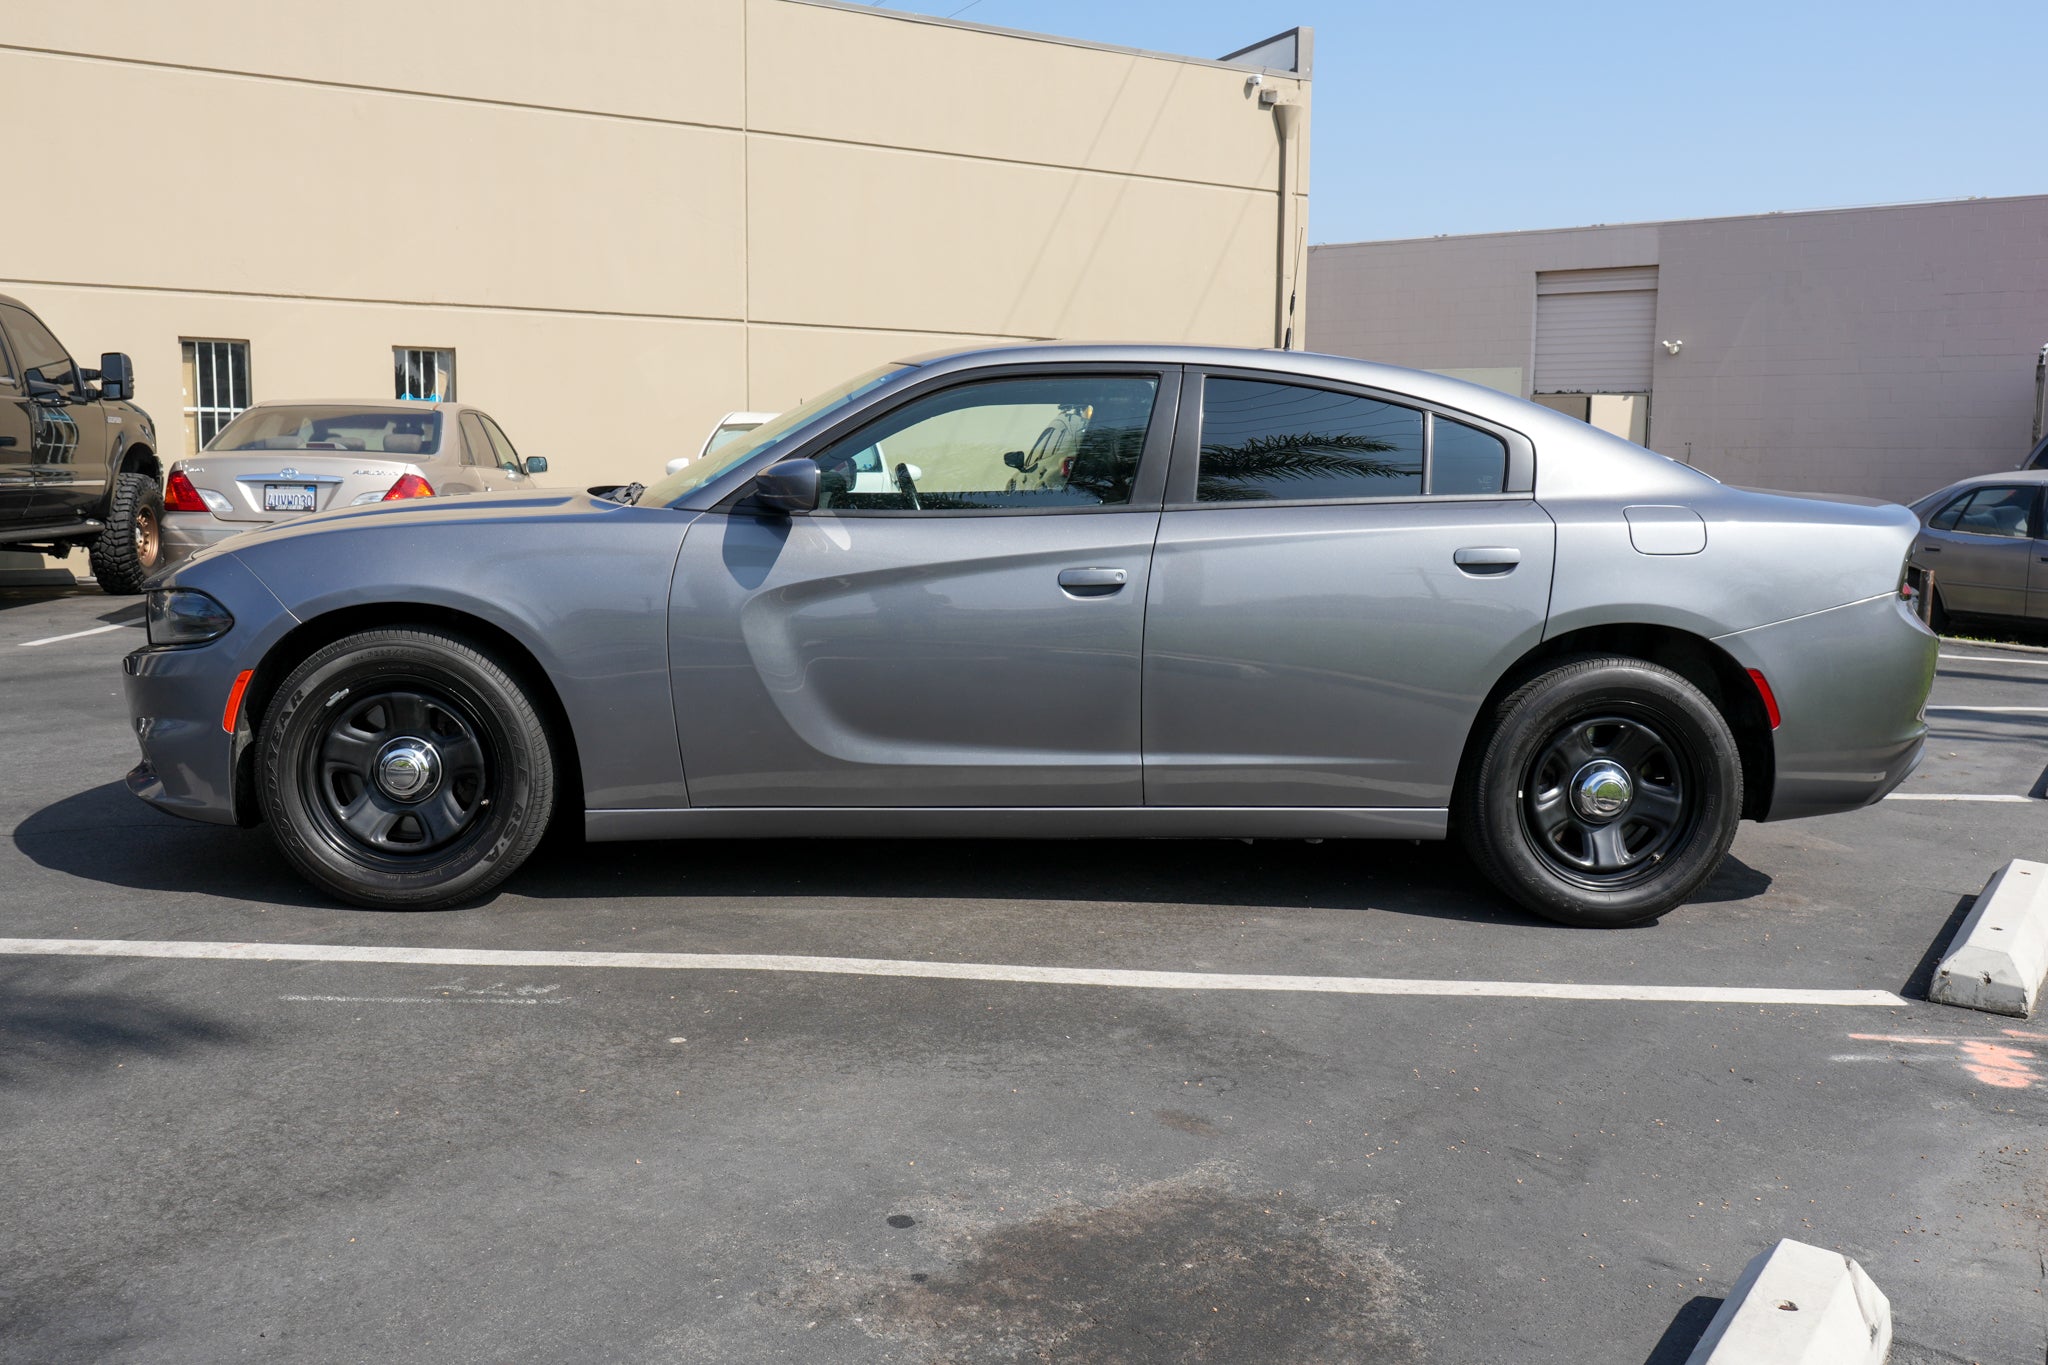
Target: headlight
x=180, y=616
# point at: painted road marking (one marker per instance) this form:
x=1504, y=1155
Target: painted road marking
x=78, y=634
x=1994, y=1064
x=412, y=1000
x=1997, y=710
x=1995, y=659
x=1951, y=796
x=943, y=971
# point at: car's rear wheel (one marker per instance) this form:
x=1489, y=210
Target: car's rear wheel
x=1605, y=792
x=405, y=769
x=131, y=546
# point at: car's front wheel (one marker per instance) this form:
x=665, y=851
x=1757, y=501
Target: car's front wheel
x=1606, y=791
x=405, y=769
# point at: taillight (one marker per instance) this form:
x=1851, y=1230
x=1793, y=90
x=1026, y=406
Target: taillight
x=180, y=495
x=1770, y=699
x=410, y=486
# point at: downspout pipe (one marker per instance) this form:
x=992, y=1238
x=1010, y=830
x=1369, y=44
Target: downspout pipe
x=1286, y=118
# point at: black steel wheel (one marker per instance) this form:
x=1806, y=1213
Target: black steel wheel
x=1602, y=792
x=405, y=769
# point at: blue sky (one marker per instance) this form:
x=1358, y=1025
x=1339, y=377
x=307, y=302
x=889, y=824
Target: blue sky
x=1450, y=118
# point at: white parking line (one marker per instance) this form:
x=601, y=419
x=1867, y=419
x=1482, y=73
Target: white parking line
x=1951, y=796
x=1995, y=659
x=1997, y=710
x=77, y=634
x=943, y=971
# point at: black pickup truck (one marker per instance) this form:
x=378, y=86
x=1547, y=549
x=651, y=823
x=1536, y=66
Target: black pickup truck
x=78, y=459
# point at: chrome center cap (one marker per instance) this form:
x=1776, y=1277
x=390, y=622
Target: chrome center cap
x=408, y=769
x=1602, y=790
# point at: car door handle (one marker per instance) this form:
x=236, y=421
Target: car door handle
x=1487, y=559
x=1930, y=549
x=1093, y=582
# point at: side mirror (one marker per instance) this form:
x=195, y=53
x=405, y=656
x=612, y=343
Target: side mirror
x=788, y=486
x=535, y=464
x=678, y=464
x=117, y=376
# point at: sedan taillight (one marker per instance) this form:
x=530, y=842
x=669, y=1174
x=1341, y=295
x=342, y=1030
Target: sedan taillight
x=410, y=486
x=180, y=495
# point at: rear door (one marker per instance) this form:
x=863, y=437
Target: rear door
x=1981, y=549
x=1341, y=574
x=964, y=632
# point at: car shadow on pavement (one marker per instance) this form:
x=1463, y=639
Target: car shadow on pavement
x=49, y=1032
x=105, y=835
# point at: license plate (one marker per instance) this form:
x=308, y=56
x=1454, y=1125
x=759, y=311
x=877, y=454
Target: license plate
x=289, y=497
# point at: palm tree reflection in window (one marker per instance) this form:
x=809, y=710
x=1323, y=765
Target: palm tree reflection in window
x=1263, y=467
x=1264, y=441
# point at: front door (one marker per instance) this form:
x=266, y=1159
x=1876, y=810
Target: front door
x=961, y=621
x=1339, y=578
x=1981, y=549
x=17, y=434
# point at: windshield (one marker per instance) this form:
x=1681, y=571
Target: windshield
x=745, y=445
x=383, y=431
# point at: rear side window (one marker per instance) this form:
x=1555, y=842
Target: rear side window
x=1264, y=442
x=1465, y=459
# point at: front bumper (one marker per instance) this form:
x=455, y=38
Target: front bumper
x=1852, y=687
x=177, y=699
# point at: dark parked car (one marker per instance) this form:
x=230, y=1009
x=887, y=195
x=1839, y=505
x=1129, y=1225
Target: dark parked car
x=78, y=459
x=1983, y=549
x=1101, y=591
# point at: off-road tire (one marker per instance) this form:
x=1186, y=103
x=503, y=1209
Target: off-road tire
x=467, y=689
x=132, y=546
x=1497, y=805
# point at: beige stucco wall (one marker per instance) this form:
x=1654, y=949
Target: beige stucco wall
x=627, y=215
x=1880, y=351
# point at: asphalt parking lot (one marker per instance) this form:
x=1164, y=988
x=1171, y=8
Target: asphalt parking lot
x=1520, y=1155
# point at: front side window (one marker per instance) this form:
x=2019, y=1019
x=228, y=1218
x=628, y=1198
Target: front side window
x=501, y=448
x=37, y=351
x=1264, y=442
x=1047, y=442
x=2004, y=512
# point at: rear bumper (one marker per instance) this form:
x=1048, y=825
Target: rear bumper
x=187, y=533
x=1852, y=687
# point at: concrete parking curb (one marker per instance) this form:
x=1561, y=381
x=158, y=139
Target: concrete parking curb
x=1799, y=1305
x=1997, y=959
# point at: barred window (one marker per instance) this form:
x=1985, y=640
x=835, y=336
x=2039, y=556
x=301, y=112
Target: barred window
x=424, y=373
x=216, y=388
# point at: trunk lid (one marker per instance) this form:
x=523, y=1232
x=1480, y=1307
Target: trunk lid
x=262, y=486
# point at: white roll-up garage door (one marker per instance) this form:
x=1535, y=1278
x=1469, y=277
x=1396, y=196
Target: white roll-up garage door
x=1594, y=330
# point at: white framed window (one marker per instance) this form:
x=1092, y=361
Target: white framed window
x=216, y=387
x=424, y=374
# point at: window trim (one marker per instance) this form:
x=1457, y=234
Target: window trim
x=1146, y=489
x=1519, y=483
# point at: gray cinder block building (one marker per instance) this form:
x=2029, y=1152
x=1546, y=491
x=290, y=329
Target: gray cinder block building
x=1879, y=351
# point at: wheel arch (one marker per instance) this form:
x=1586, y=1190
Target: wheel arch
x=1693, y=657
x=138, y=458
x=317, y=632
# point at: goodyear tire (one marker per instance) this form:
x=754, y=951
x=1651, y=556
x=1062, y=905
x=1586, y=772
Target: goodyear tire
x=405, y=769
x=131, y=547
x=1606, y=791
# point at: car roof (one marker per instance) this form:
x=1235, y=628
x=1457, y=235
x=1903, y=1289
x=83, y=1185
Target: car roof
x=2004, y=477
x=1457, y=393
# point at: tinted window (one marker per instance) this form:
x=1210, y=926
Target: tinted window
x=39, y=353
x=1465, y=459
x=1262, y=442
x=1005, y=444
x=1998, y=512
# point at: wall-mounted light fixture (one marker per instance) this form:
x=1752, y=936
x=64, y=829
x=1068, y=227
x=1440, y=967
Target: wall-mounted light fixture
x=1671, y=347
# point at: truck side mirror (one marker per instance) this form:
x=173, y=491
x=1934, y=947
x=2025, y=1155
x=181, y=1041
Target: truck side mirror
x=117, y=376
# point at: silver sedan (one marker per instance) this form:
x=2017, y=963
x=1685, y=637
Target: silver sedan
x=1983, y=549
x=282, y=460
x=1061, y=591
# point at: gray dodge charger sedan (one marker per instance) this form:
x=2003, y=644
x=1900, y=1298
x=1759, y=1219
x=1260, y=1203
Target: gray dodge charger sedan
x=1121, y=591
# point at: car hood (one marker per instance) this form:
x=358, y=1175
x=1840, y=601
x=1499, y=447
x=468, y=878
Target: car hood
x=427, y=516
